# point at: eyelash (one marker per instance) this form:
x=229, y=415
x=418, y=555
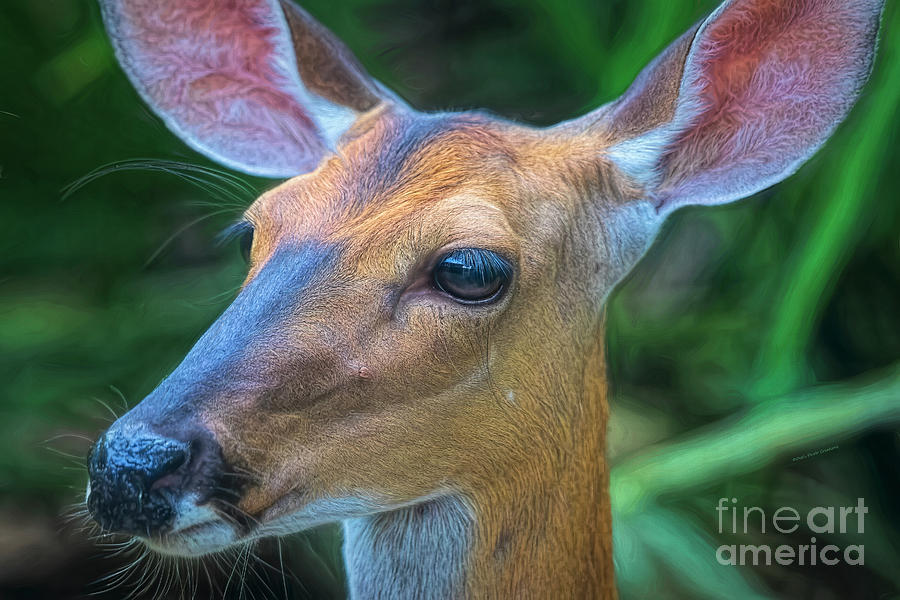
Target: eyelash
x=486, y=266
x=243, y=231
x=233, y=231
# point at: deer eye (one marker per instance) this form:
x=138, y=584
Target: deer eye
x=245, y=241
x=472, y=275
x=243, y=231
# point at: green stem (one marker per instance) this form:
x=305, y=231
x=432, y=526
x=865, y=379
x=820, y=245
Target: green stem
x=802, y=422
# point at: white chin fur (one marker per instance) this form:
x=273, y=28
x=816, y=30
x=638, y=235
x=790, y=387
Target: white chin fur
x=197, y=530
x=198, y=541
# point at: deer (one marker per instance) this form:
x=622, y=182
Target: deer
x=417, y=352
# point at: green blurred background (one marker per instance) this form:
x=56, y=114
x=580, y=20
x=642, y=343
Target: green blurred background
x=750, y=336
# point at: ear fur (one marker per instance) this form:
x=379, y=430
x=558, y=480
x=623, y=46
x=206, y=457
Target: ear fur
x=741, y=100
x=256, y=85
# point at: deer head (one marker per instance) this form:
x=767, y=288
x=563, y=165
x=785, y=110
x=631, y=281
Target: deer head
x=417, y=350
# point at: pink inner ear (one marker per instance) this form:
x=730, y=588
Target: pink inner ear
x=223, y=75
x=767, y=81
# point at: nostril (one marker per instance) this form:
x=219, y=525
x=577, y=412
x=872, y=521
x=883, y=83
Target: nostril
x=172, y=476
x=139, y=478
x=128, y=473
x=168, y=461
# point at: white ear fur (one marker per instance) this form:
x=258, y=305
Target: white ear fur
x=639, y=157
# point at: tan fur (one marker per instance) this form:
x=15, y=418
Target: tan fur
x=410, y=400
x=364, y=394
x=325, y=64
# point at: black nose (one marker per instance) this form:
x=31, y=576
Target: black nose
x=137, y=479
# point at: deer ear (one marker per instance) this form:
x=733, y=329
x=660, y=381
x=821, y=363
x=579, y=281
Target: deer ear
x=256, y=85
x=741, y=100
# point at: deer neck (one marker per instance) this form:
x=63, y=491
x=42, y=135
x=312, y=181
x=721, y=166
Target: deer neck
x=540, y=529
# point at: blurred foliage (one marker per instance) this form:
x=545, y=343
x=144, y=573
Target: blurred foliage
x=751, y=334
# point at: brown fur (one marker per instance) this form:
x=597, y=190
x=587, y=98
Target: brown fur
x=373, y=386
x=326, y=66
x=432, y=412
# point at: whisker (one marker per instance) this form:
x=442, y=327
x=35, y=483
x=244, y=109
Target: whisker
x=206, y=178
x=107, y=407
x=60, y=436
x=233, y=570
x=281, y=568
x=178, y=232
x=121, y=396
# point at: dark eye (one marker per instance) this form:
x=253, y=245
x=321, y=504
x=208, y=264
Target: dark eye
x=472, y=275
x=246, y=243
x=243, y=231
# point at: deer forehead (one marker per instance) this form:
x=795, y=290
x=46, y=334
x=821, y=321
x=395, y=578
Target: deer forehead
x=407, y=187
